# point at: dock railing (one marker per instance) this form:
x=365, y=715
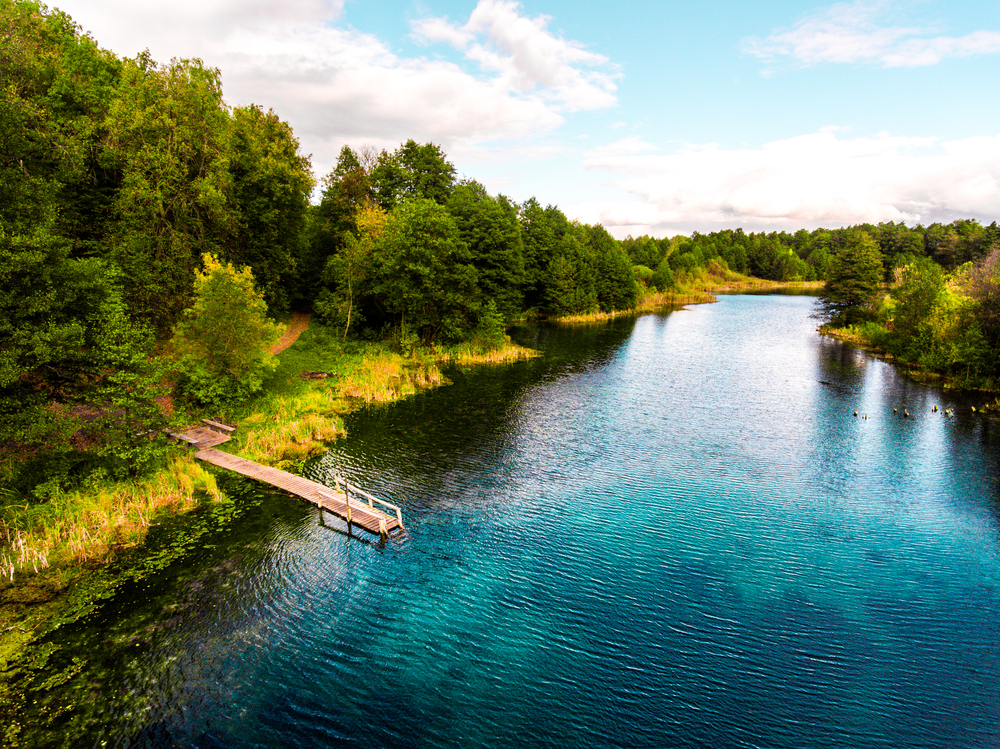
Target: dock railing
x=371, y=499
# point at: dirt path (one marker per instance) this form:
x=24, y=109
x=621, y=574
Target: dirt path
x=298, y=323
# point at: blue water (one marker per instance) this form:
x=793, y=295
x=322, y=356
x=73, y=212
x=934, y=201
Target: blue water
x=668, y=532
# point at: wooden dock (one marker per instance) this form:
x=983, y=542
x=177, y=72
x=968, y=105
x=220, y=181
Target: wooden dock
x=347, y=502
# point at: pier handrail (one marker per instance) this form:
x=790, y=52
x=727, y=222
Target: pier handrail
x=370, y=497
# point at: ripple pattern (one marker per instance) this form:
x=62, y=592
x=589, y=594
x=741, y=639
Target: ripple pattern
x=669, y=532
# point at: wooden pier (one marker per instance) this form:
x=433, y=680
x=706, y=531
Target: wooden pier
x=347, y=502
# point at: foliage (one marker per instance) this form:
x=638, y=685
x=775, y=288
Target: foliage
x=271, y=182
x=855, y=280
x=350, y=270
x=916, y=291
x=223, y=340
x=412, y=172
x=70, y=357
x=663, y=276
x=489, y=228
x=426, y=277
x=167, y=135
x=984, y=287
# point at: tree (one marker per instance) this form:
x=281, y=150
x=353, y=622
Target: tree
x=413, y=171
x=426, y=276
x=347, y=273
x=271, y=182
x=854, y=281
x=489, y=228
x=617, y=288
x=222, y=341
x=915, y=293
x=168, y=135
x=984, y=287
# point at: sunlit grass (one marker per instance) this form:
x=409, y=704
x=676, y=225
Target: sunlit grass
x=87, y=525
x=470, y=353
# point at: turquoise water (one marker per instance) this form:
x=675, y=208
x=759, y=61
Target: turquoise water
x=670, y=531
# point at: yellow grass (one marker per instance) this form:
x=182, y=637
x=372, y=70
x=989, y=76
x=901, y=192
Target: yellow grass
x=84, y=526
x=471, y=354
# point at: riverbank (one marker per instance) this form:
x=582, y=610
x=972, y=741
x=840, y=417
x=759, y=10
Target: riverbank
x=913, y=371
x=700, y=287
x=53, y=552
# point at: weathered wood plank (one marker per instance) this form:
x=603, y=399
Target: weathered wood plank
x=219, y=425
x=329, y=499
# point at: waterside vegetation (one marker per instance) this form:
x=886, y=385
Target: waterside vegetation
x=940, y=322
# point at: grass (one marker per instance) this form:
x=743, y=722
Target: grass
x=471, y=353
x=88, y=525
x=697, y=287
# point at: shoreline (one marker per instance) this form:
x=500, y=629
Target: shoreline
x=703, y=292
x=56, y=569
x=909, y=369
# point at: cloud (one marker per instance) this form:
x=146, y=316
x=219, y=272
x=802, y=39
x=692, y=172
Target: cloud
x=820, y=179
x=337, y=85
x=525, y=55
x=861, y=32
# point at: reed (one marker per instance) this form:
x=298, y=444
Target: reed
x=87, y=525
x=386, y=377
x=469, y=353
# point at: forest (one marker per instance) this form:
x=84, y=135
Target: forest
x=137, y=208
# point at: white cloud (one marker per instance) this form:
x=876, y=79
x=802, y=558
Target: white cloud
x=336, y=85
x=526, y=56
x=862, y=32
x=820, y=179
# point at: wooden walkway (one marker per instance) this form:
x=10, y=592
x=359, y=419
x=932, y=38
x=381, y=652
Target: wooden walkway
x=349, y=503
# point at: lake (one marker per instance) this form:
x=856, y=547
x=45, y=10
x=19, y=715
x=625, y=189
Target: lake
x=670, y=531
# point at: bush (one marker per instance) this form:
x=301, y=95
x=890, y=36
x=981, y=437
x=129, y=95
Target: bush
x=223, y=341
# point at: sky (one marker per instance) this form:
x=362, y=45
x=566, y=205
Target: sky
x=651, y=117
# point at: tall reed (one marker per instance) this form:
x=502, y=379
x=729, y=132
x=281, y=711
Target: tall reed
x=86, y=525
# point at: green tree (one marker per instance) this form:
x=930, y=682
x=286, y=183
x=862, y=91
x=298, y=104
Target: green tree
x=663, y=276
x=168, y=135
x=222, y=342
x=426, y=277
x=271, y=182
x=490, y=230
x=542, y=229
x=413, y=171
x=125, y=385
x=615, y=281
x=984, y=288
x=854, y=281
x=571, y=287
x=347, y=273
x=915, y=293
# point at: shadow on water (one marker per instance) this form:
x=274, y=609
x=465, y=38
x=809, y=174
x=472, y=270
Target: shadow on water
x=669, y=531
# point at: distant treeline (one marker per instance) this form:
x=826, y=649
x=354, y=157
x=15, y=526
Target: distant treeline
x=118, y=177
x=806, y=255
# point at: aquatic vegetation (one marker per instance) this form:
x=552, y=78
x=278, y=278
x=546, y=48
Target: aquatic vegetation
x=87, y=525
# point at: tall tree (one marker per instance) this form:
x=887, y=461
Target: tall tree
x=168, y=134
x=413, y=171
x=271, y=182
x=348, y=273
x=489, y=228
x=426, y=277
x=855, y=279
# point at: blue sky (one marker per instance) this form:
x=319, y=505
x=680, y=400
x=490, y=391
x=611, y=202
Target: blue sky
x=652, y=117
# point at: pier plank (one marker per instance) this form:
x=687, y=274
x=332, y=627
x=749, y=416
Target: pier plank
x=329, y=499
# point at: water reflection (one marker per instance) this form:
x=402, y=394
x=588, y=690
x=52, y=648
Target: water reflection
x=668, y=531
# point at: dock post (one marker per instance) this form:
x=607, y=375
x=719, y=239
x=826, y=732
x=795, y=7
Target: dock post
x=347, y=501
